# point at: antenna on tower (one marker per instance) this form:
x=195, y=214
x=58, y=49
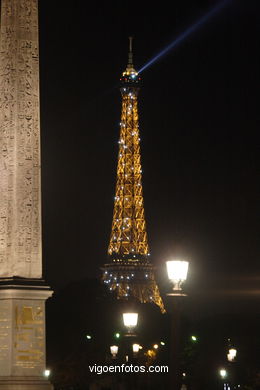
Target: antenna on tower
x=130, y=43
x=130, y=54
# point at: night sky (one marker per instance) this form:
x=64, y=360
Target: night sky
x=198, y=122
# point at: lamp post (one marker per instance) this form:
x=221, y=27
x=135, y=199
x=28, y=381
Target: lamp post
x=130, y=321
x=231, y=356
x=136, y=348
x=114, y=351
x=223, y=375
x=177, y=273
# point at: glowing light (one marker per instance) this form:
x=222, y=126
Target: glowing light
x=223, y=373
x=117, y=335
x=185, y=34
x=114, y=350
x=162, y=343
x=232, y=353
x=156, y=346
x=194, y=338
x=151, y=353
x=130, y=319
x=136, y=348
x=47, y=373
x=88, y=336
x=177, y=272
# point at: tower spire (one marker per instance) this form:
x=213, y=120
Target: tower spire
x=130, y=70
x=129, y=272
x=130, y=54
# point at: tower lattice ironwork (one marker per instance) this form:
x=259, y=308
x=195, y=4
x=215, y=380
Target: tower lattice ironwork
x=129, y=272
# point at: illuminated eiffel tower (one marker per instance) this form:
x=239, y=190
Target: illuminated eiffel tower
x=129, y=273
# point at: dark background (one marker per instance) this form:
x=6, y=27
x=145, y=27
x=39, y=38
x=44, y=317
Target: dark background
x=198, y=116
x=198, y=121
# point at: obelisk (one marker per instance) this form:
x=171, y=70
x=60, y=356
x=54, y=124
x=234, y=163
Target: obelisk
x=22, y=290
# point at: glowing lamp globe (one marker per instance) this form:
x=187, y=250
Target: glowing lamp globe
x=232, y=353
x=130, y=321
x=136, y=348
x=114, y=350
x=177, y=273
x=223, y=373
x=47, y=373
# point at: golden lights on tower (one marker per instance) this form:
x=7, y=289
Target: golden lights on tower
x=128, y=227
x=130, y=272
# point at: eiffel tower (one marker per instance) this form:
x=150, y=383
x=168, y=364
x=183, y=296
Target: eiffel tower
x=129, y=272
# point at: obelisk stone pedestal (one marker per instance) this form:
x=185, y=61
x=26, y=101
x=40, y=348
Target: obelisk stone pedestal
x=22, y=335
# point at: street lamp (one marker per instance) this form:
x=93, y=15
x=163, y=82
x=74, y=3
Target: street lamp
x=47, y=373
x=232, y=353
x=177, y=273
x=130, y=321
x=114, y=351
x=223, y=373
x=136, y=348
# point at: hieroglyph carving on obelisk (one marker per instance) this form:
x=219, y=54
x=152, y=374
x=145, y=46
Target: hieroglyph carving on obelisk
x=20, y=188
